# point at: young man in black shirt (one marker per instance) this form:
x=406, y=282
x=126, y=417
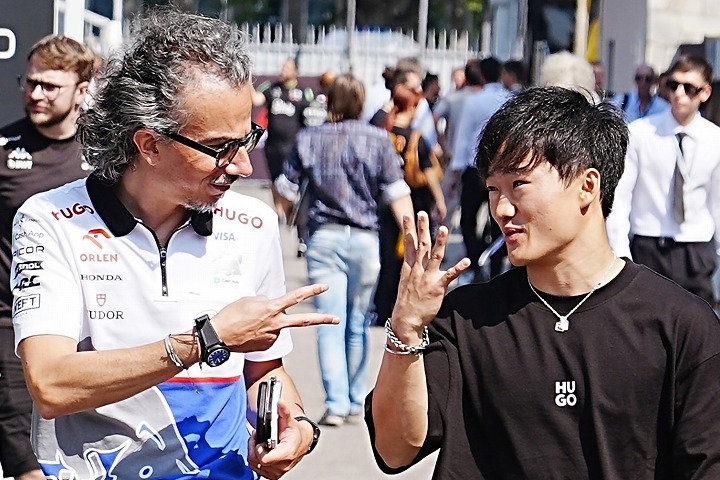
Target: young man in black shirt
x=37, y=153
x=286, y=103
x=577, y=364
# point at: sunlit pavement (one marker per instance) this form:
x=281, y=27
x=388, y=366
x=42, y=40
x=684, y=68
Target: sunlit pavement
x=343, y=452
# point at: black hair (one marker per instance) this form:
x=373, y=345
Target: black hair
x=517, y=68
x=490, y=69
x=429, y=79
x=560, y=126
x=693, y=63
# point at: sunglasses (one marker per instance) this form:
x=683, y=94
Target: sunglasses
x=226, y=152
x=644, y=78
x=690, y=89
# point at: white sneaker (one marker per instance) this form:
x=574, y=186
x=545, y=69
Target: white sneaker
x=332, y=420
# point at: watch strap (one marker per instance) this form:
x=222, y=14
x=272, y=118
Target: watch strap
x=207, y=335
x=316, y=431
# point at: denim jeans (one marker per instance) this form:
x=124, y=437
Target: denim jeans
x=347, y=259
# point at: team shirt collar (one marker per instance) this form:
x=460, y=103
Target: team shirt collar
x=120, y=221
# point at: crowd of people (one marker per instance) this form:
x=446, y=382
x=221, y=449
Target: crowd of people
x=143, y=301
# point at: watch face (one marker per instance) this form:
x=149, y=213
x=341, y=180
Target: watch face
x=218, y=357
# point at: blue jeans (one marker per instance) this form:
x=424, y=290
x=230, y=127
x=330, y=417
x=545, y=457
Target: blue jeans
x=347, y=259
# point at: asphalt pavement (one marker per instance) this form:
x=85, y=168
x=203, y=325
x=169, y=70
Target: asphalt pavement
x=343, y=453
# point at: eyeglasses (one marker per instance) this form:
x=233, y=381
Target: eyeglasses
x=50, y=90
x=225, y=153
x=644, y=78
x=690, y=89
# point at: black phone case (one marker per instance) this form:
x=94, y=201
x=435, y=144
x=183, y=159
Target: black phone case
x=262, y=431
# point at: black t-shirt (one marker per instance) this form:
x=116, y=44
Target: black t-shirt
x=29, y=163
x=630, y=391
x=422, y=198
x=285, y=117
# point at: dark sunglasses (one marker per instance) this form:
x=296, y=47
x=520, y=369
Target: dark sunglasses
x=226, y=152
x=690, y=89
x=644, y=78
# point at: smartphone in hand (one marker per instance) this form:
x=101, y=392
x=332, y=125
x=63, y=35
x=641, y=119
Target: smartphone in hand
x=268, y=399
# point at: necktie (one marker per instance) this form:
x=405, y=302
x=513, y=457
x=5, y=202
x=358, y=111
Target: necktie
x=678, y=182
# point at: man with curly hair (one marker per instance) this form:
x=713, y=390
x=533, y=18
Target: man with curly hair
x=149, y=300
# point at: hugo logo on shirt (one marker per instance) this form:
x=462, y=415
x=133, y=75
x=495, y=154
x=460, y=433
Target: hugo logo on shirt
x=565, y=393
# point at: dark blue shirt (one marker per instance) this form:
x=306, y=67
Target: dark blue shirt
x=351, y=167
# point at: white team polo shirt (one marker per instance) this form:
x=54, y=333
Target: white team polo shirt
x=85, y=268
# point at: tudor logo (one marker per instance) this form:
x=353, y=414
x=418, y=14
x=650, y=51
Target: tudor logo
x=95, y=234
x=103, y=315
x=101, y=299
x=70, y=212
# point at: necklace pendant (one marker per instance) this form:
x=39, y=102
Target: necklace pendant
x=562, y=324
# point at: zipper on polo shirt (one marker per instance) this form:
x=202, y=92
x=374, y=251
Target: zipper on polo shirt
x=163, y=270
x=163, y=255
x=162, y=251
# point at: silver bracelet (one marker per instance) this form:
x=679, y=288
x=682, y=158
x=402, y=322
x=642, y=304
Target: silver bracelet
x=404, y=349
x=398, y=352
x=173, y=354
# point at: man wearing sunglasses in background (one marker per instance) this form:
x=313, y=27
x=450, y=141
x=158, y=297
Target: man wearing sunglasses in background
x=643, y=102
x=667, y=203
x=37, y=152
x=133, y=287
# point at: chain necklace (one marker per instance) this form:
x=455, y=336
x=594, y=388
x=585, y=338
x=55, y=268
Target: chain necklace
x=562, y=324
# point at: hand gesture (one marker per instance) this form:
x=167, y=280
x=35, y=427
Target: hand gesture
x=422, y=284
x=253, y=323
x=289, y=451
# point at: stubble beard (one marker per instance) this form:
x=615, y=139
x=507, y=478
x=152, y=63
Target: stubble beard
x=200, y=206
x=48, y=119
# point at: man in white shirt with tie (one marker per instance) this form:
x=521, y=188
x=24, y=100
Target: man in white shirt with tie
x=666, y=211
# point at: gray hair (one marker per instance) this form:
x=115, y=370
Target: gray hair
x=567, y=70
x=142, y=86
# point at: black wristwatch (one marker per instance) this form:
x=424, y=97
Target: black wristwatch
x=316, y=432
x=213, y=351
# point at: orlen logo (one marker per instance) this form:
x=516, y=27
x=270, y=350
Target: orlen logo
x=565, y=394
x=70, y=212
x=94, y=234
x=243, y=218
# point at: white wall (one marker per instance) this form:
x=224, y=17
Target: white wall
x=674, y=22
x=623, y=40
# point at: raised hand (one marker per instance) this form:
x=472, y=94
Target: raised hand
x=422, y=284
x=253, y=323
